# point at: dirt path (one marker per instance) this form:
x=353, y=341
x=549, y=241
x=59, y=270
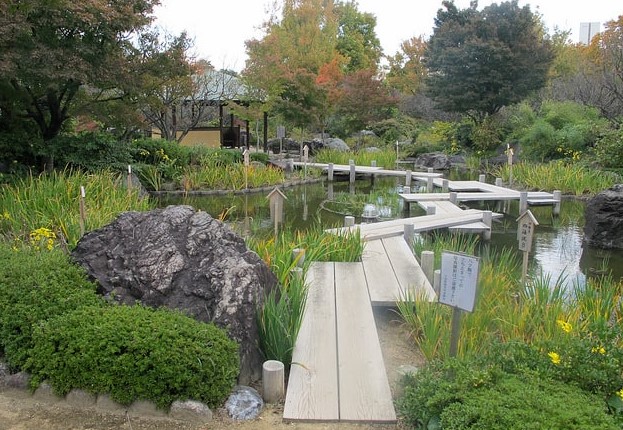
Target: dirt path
x=20, y=411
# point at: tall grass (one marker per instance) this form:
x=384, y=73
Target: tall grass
x=230, y=177
x=384, y=158
x=508, y=311
x=280, y=317
x=52, y=201
x=570, y=178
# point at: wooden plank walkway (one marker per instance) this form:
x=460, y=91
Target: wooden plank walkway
x=338, y=372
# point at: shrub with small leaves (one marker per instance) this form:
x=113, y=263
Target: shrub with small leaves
x=133, y=353
x=35, y=286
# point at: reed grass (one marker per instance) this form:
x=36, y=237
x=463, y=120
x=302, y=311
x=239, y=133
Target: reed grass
x=505, y=309
x=230, y=177
x=280, y=317
x=570, y=178
x=385, y=158
x=52, y=201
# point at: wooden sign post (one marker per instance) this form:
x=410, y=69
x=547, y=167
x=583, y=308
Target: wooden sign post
x=276, y=199
x=305, y=158
x=245, y=155
x=459, y=279
x=509, y=153
x=281, y=134
x=129, y=179
x=83, y=214
x=525, y=230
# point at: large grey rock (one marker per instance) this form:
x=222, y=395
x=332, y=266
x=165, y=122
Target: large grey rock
x=184, y=259
x=336, y=144
x=603, y=215
x=436, y=160
x=244, y=403
x=190, y=410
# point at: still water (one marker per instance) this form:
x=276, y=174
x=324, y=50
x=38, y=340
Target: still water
x=557, y=249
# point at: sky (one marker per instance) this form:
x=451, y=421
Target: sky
x=220, y=28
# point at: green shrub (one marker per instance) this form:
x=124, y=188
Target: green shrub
x=134, y=353
x=463, y=395
x=260, y=157
x=609, y=149
x=35, y=286
x=90, y=151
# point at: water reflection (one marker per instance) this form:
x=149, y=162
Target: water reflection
x=557, y=251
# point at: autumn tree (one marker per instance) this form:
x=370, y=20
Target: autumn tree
x=407, y=71
x=357, y=41
x=53, y=50
x=481, y=61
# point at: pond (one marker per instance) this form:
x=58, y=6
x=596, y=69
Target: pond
x=557, y=250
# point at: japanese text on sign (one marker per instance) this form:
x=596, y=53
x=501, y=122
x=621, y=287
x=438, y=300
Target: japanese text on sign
x=459, y=277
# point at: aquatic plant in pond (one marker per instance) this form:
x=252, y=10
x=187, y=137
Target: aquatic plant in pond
x=385, y=158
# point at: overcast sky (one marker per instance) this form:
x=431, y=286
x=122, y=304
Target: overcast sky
x=220, y=28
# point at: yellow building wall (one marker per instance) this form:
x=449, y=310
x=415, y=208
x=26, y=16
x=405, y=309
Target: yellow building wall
x=208, y=138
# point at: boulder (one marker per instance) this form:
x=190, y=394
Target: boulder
x=436, y=160
x=336, y=144
x=183, y=259
x=244, y=403
x=603, y=215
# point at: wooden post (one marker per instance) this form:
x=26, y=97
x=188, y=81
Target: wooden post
x=129, y=179
x=353, y=173
x=525, y=230
x=429, y=184
x=373, y=163
x=305, y=158
x=445, y=185
x=455, y=332
x=349, y=221
x=509, y=154
x=408, y=179
x=430, y=170
x=523, y=202
x=330, y=172
x=482, y=178
x=409, y=233
x=431, y=210
x=83, y=214
x=245, y=155
x=437, y=281
x=330, y=191
x=298, y=255
x=427, y=261
x=487, y=218
x=273, y=381
x=557, y=202
x=454, y=198
x=498, y=182
x=276, y=201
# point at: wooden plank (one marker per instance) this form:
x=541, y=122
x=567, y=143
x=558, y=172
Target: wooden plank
x=476, y=227
x=410, y=275
x=313, y=383
x=364, y=389
x=383, y=287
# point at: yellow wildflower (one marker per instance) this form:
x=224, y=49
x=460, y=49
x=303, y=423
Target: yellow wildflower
x=555, y=357
x=620, y=393
x=565, y=326
x=598, y=350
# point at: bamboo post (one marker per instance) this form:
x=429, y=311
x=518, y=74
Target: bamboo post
x=83, y=215
x=428, y=265
x=129, y=179
x=273, y=381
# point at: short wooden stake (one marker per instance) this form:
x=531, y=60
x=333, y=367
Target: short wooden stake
x=498, y=182
x=373, y=163
x=445, y=185
x=437, y=281
x=353, y=173
x=557, y=202
x=429, y=184
x=129, y=179
x=524, y=268
x=349, y=221
x=298, y=255
x=428, y=265
x=330, y=172
x=523, y=202
x=482, y=178
x=408, y=179
x=409, y=233
x=487, y=218
x=273, y=381
x=430, y=170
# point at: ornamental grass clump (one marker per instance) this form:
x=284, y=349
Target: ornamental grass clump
x=134, y=353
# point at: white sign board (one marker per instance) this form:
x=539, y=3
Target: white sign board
x=281, y=132
x=459, y=278
x=525, y=230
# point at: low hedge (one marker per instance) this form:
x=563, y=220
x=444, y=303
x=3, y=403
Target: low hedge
x=134, y=353
x=34, y=286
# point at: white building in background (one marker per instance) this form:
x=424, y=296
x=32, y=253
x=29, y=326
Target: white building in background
x=588, y=30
